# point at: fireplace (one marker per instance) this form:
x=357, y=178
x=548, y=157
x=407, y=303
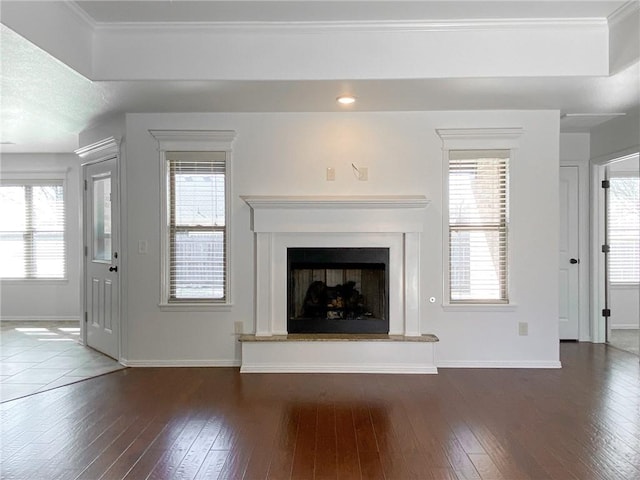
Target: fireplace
x=337, y=290
x=360, y=255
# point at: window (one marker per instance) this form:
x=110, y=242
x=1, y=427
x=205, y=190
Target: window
x=196, y=226
x=478, y=220
x=624, y=229
x=32, y=230
x=196, y=174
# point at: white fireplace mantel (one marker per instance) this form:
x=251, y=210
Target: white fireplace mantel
x=347, y=213
x=350, y=221
x=336, y=201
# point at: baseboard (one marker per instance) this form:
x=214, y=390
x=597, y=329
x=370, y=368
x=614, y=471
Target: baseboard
x=498, y=364
x=180, y=363
x=334, y=368
x=624, y=327
x=6, y=318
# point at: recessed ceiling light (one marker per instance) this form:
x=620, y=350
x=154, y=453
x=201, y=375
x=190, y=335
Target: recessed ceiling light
x=346, y=99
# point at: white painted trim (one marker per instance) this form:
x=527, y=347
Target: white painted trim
x=585, y=331
x=499, y=364
x=181, y=363
x=392, y=26
x=335, y=202
x=31, y=318
x=98, y=151
x=194, y=141
x=626, y=10
x=334, y=368
x=106, y=149
x=474, y=139
x=480, y=138
x=479, y=307
x=195, y=307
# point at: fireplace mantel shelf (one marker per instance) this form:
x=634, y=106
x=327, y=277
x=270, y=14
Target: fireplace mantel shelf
x=335, y=201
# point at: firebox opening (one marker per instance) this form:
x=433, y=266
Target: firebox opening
x=338, y=290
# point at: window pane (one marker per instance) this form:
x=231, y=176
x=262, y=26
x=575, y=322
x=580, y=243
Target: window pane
x=12, y=262
x=12, y=208
x=197, y=266
x=200, y=199
x=624, y=230
x=48, y=250
x=48, y=208
x=102, y=219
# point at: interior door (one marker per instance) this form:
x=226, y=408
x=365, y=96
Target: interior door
x=569, y=259
x=101, y=257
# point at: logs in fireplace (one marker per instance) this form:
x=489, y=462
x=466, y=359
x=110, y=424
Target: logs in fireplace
x=338, y=290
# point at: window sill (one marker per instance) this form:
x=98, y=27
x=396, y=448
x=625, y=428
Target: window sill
x=34, y=281
x=195, y=307
x=479, y=307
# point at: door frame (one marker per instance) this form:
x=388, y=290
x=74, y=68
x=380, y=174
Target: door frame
x=598, y=172
x=106, y=149
x=584, y=331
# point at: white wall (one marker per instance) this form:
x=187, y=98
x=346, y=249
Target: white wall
x=47, y=299
x=575, y=151
x=288, y=154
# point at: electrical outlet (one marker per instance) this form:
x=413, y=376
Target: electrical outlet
x=238, y=327
x=363, y=174
x=523, y=329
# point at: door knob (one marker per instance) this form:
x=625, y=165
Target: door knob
x=574, y=261
x=113, y=268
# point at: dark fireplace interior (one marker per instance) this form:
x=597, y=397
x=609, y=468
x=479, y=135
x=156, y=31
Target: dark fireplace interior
x=338, y=290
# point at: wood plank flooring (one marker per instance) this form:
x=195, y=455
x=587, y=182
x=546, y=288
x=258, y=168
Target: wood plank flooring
x=578, y=423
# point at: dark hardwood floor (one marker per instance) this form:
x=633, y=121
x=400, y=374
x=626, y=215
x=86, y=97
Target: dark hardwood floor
x=581, y=422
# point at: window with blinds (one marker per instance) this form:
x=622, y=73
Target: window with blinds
x=32, y=230
x=478, y=225
x=196, y=211
x=624, y=230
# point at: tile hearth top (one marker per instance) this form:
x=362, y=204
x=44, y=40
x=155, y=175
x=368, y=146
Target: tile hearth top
x=338, y=337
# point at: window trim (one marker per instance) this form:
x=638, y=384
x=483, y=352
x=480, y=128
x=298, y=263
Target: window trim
x=41, y=177
x=474, y=139
x=193, y=141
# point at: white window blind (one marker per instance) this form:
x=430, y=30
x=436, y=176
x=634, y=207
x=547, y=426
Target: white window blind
x=478, y=221
x=197, y=226
x=624, y=229
x=32, y=228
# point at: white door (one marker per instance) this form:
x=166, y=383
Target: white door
x=569, y=259
x=101, y=257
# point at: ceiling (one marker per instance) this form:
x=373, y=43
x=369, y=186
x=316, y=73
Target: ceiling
x=45, y=104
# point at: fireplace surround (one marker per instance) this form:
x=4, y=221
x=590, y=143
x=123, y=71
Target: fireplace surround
x=389, y=223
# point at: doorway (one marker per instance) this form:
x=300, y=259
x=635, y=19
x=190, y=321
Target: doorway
x=616, y=252
x=623, y=233
x=101, y=237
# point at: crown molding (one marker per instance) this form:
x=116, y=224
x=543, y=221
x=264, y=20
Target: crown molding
x=632, y=7
x=81, y=13
x=350, y=26
x=108, y=147
x=194, y=140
